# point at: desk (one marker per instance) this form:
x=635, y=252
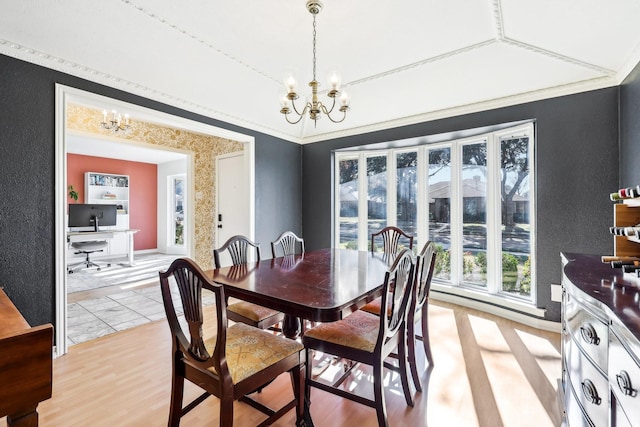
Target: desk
x=321, y=286
x=84, y=236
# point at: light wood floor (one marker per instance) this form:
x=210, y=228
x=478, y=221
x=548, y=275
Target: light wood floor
x=488, y=372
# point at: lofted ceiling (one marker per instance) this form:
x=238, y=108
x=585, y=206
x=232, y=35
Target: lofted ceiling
x=402, y=62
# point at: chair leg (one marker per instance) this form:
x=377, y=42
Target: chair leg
x=425, y=333
x=378, y=393
x=404, y=367
x=298, y=383
x=411, y=343
x=308, y=376
x=177, y=391
x=226, y=411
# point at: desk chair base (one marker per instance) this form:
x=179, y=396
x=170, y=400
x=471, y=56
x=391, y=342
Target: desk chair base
x=87, y=263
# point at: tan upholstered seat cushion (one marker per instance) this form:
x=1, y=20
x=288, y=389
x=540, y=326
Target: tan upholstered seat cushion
x=250, y=350
x=373, y=307
x=358, y=330
x=251, y=311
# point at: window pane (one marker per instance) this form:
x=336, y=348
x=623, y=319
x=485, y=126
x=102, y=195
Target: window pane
x=439, y=199
x=406, y=190
x=376, y=193
x=516, y=238
x=178, y=211
x=348, y=221
x=474, y=213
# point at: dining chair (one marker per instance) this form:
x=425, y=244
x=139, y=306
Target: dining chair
x=286, y=244
x=232, y=362
x=365, y=338
x=390, y=245
x=418, y=309
x=238, y=248
x=390, y=240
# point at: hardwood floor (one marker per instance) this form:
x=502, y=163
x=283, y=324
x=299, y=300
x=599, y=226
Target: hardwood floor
x=488, y=372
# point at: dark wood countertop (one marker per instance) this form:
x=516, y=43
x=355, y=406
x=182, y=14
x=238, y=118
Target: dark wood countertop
x=615, y=291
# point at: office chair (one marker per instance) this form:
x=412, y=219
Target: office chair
x=88, y=248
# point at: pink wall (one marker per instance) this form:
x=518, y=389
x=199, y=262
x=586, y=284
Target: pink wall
x=143, y=192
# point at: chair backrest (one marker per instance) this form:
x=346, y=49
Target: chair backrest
x=390, y=240
x=287, y=244
x=396, y=297
x=424, y=273
x=238, y=248
x=190, y=280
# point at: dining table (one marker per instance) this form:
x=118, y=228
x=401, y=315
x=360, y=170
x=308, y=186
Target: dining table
x=323, y=285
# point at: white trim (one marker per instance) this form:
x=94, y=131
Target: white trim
x=524, y=314
x=60, y=252
x=65, y=94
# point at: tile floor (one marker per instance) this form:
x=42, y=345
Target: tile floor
x=93, y=318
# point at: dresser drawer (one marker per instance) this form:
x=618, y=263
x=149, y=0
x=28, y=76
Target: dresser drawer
x=624, y=376
x=591, y=387
x=574, y=414
x=588, y=331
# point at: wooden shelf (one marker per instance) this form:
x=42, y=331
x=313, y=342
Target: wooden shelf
x=626, y=215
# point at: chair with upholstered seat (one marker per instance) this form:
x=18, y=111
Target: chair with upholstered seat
x=230, y=363
x=242, y=311
x=287, y=244
x=418, y=310
x=391, y=237
x=366, y=338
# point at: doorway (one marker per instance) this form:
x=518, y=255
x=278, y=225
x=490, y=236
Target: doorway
x=66, y=96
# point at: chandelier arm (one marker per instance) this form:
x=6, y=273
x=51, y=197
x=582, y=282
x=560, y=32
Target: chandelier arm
x=328, y=113
x=344, y=115
x=286, y=116
x=306, y=107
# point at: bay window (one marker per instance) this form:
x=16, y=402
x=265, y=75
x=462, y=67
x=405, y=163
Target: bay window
x=472, y=196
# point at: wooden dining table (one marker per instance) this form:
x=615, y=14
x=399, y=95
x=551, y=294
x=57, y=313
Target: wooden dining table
x=321, y=286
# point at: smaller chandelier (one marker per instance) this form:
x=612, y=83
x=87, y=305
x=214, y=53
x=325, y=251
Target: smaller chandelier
x=114, y=122
x=314, y=107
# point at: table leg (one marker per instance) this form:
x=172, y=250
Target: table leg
x=291, y=327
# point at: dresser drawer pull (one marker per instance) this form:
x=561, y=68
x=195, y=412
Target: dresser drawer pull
x=589, y=334
x=624, y=382
x=590, y=392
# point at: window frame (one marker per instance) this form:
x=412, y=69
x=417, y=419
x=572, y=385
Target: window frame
x=492, y=138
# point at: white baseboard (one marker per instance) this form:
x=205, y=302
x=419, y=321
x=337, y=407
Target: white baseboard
x=525, y=319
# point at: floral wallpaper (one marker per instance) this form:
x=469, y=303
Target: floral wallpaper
x=205, y=148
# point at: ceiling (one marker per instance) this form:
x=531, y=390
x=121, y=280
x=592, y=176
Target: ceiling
x=123, y=150
x=402, y=62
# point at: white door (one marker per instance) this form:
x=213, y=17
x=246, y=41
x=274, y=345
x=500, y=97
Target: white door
x=233, y=198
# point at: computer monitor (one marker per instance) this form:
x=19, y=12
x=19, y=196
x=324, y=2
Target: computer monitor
x=92, y=215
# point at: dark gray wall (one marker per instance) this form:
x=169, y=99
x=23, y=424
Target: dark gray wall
x=27, y=129
x=576, y=169
x=630, y=129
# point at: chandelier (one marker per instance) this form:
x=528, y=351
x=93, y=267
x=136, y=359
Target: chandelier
x=114, y=122
x=314, y=107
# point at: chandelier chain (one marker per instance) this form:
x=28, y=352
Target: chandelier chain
x=314, y=47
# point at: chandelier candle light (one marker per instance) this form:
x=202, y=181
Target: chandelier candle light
x=114, y=122
x=314, y=107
